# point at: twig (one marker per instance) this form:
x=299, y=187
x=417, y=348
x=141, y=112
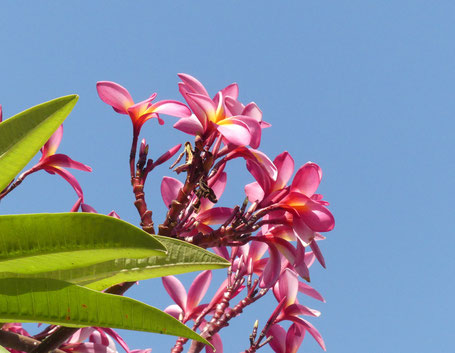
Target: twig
x=20, y=342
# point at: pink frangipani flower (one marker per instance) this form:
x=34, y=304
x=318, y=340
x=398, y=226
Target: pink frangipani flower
x=187, y=304
x=286, y=289
x=121, y=101
x=267, y=190
x=56, y=163
x=98, y=341
x=305, y=211
x=286, y=342
x=257, y=163
x=238, y=125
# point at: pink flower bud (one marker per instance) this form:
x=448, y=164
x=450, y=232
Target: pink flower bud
x=167, y=155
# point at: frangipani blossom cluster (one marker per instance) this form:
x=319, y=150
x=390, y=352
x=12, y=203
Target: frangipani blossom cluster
x=271, y=240
x=270, y=237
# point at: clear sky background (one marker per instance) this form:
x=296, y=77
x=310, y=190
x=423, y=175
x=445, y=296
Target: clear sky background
x=363, y=88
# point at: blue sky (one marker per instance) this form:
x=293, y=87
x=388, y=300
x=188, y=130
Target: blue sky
x=363, y=88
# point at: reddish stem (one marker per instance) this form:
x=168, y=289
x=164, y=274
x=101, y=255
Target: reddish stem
x=15, y=183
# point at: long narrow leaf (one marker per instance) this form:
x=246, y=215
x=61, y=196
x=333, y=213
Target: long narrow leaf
x=181, y=258
x=37, y=243
x=22, y=135
x=61, y=303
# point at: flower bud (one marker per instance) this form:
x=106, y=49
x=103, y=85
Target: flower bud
x=167, y=155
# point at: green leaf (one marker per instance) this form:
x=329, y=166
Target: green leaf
x=181, y=257
x=62, y=303
x=36, y=243
x=22, y=135
x=3, y=350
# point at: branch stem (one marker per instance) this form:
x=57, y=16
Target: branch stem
x=20, y=342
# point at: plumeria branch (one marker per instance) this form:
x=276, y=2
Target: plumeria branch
x=21, y=343
x=256, y=344
x=14, y=184
x=224, y=314
x=194, y=167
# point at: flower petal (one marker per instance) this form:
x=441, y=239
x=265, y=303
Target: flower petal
x=206, y=104
x=310, y=328
x=257, y=157
x=81, y=335
x=116, y=337
x=193, y=84
x=197, y=110
x=272, y=270
x=174, y=310
x=197, y=291
x=285, y=166
x=113, y=214
x=262, y=178
x=316, y=216
x=253, y=111
x=278, y=342
x=216, y=215
x=99, y=337
x=235, y=132
x=257, y=250
x=175, y=290
x=87, y=347
x=136, y=111
x=147, y=350
x=231, y=91
x=297, y=309
x=265, y=162
x=76, y=205
x=62, y=160
x=307, y=179
x=167, y=155
x=170, y=188
x=87, y=208
x=234, y=107
x=171, y=107
x=294, y=338
x=302, y=231
x=190, y=125
x=254, y=192
x=115, y=95
x=300, y=265
x=68, y=177
x=289, y=286
x=50, y=147
x=254, y=127
x=317, y=252
x=310, y=291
